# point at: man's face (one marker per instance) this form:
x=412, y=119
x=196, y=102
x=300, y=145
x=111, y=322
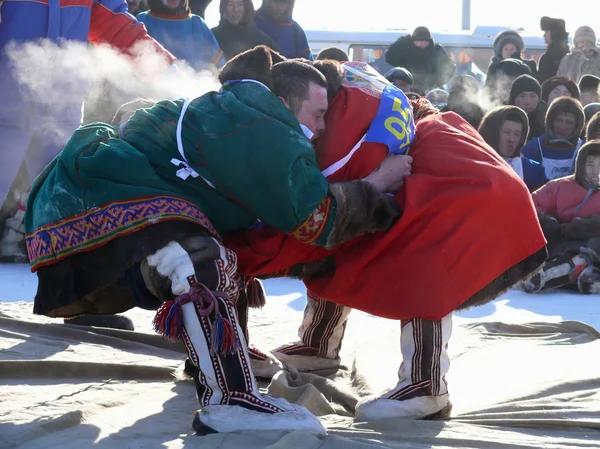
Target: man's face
x=279, y=9
x=527, y=101
x=564, y=124
x=422, y=44
x=235, y=11
x=589, y=96
x=402, y=85
x=592, y=169
x=508, y=50
x=510, y=136
x=313, y=109
x=547, y=36
x=559, y=91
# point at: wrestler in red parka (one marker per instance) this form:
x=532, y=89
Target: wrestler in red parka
x=452, y=243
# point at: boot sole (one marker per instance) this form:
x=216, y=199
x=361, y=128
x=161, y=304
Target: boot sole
x=201, y=428
x=442, y=414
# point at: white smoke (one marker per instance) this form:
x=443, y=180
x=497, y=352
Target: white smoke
x=57, y=79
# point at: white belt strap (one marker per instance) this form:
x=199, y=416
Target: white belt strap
x=187, y=171
x=339, y=164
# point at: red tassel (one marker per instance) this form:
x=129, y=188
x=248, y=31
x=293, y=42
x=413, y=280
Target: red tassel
x=255, y=293
x=223, y=339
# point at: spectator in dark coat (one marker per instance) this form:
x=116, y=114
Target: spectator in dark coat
x=428, y=62
x=557, y=39
x=463, y=99
x=236, y=31
x=500, y=78
x=526, y=94
x=509, y=44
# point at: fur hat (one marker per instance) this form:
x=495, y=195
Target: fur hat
x=562, y=105
x=551, y=83
x=584, y=33
x=589, y=82
x=553, y=25
x=399, y=73
x=508, y=37
x=253, y=64
x=524, y=83
x=592, y=148
x=510, y=67
x=421, y=34
x=491, y=123
x=593, y=126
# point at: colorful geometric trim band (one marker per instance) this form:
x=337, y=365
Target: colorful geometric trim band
x=98, y=226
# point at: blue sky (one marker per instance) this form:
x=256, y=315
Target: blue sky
x=439, y=15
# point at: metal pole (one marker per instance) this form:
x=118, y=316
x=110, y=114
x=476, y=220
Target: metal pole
x=466, y=15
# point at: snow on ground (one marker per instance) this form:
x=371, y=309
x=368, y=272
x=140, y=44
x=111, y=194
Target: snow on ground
x=17, y=283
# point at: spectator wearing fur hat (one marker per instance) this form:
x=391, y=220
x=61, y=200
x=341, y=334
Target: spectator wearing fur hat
x=504, y=128
x=589, y=86
x=557, y=39
x=584, y=58
x=559, y=86
x=509, y=44
x=526, y=94
x=236, y=31
x=428, y=62
x=557, y=148
x=401, y=78
x=593, y=126
x=569, y=211
x=500, y=78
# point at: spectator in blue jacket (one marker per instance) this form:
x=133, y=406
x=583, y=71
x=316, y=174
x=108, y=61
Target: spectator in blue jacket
x=557, y=148
x=274, y=18
x=32, y=129
x=184, y=34
x=505, y=129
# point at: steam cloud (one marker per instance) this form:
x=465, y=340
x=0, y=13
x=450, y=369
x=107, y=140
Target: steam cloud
x=59, y=78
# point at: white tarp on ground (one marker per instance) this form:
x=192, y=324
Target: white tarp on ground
x=513, y=386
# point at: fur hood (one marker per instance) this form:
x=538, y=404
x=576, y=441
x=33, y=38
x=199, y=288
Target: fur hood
x=565, y=104
x=493, y=120
x=255, y=64
x=248, y=18
x=593, y=126
x=551, y=83
x=264, y=8
x=589, y=149
x=507, y=37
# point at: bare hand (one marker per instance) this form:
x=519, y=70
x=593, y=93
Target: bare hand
x=389, y=176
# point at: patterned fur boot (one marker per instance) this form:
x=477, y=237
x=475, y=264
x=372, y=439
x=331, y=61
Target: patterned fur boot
x=421, y=391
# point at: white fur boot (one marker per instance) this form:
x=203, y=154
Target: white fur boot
x=320, y=334
x=207, y=322
x=421, y=391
